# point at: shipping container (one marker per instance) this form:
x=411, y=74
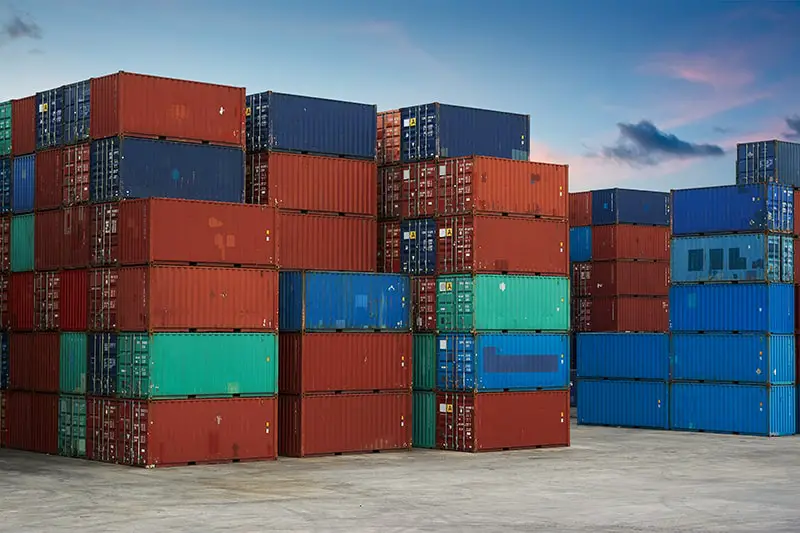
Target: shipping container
x=423, y=420
x=768, y=411
x=580, y=244
x=48, y=240
x=328, y=424
x=32, y=421
x=49, y=118
x=621, y=314
x=424, y=362
x=743, y=358
x=128, y=168
x=581, y=280
x=181, y=365
x=176, y=298
x=5, y=296
x=103, y=430
x=103, y=309
x=407, y=191
x=327, y=242
x=622, y=356
x=60, y=300
x=76, y=174
x=797, y=219
x=580, y=208
x=20, y=301
x=75, y=236
x=432, y=131
x=502, y=362
x=6, y=174
x=634, y=404
x=5, y=243
x=3, y=431
x=311, y=183
x=72, y=426
x=734, y=257
x=754, y=307
x=503, y=245
x=390, y=187
x=733, y=208
x=650, y=243
x=76, y=114
x=624, y=278
x=418, y=247
x=423, y=303
x=139, y=105
x=342, y=362
x=292, y=123
x=628, y=206
x=502, y=303
x=22, y=243
x=333, y=301
x=388, y=137
x=23, y=126
x=490, y=421
x=23, y=186
x=389, y=247
x=33, y=361
x=3, y=360
x=770, y=161
x=49, y=170
x=5, y=129
x=73, y=360
x=101, y=364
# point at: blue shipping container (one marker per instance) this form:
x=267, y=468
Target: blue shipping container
x=622, y=355
x=49, y=118
x=292, y=123
x=762, y=410
x=724, y=357
x=502, y=361
x=754, y=307
x=580, y=244
x=330, y=301
x=23, y=183
x=733, y=208
x=573, y=388
x=3, y=360
x=418, y=249
x=768, y=162
x=628, y=206
x=77, y=108
x=5, y=184
x=102, y=364
x=431, y=131
x=636, y=404
x=733, y=257
x=141, y=168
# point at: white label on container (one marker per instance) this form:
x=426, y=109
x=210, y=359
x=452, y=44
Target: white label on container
x=442, y=170
x=442, y=408
x=502, y=286
x=406, y=123
x=442, y=232
x=406, y=174
x=406, y=236
x=443, y=344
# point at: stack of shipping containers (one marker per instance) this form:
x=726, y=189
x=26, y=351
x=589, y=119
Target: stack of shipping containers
x=483, y=232
x=6, y=135
x=620, y=286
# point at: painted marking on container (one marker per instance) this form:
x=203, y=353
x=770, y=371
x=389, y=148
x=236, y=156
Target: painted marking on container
x=267, y=428
x=221, y=110
x=247, y=112
x=443, y=344
x=412, y=122
x=502, y=286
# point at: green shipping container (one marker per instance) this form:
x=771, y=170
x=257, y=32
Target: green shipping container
x=72, y=426
x=5, y=129
x=72, y=377
x=22, y=243
x=180, y=365
x=486, y=302
x=424, y=361
x=423, y=421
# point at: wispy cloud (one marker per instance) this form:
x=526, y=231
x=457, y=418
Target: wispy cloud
x=793, y=123
x=722, y=129
x=721, y=74
x=18, y=28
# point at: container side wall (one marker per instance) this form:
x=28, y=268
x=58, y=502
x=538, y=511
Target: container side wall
x=640, y=404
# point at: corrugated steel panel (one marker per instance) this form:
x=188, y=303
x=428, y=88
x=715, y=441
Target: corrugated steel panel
x=320, y=301
x=23, y=126
x=73, y=360
x=33, y=361
x=388, y=137
x=743, y=257
x=5, y=129
x=125, y=167
x=6, y=173
x=20, y=301
x=72, y=426
x=5, y=297
x=32, y=421
x=753, y=307
x=488, y=421
x=628, y=206
x=23, y=231
x=431, y=131
x=23, y=187
x=3, y=360
x=637, y=404
x=409, y=191
x=49, y=118
x=49, y=179
x=76, y=114
x=391, y=191
x=293, y=123
x=733, y=208
x=101, y=364
x=580, y=244
x=3, y=431
x=738, y=409
x=48, y=240
x=770, y=161
x=60, y=300
x=76, y=173
x=424, y=365
x=5, y=244
x=502, y=362
x=623, y=241
x=103, y=430
x=423, y=433
x=580, y=208
x=103, y=286
x=797, y=219
x=622, y=355
x=423, y=303
x=389, y=247
x=418, y=246
x=627, y=278
x=341, y=362
x=75, y=236
x=622, y=313
x=326, y=242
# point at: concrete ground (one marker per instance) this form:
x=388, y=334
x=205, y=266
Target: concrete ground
x=609, y=480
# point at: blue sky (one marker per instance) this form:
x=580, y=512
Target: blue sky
x=629, y=93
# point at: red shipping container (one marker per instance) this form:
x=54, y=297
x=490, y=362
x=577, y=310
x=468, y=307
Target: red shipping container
x=389, y=247
x=304, y=182
x=5, y=317
x=176, y=298
x=75, y=236
x=423, y=303
x=796, y=219
x=32, y=421
x=407, y=191
x=103, y=429
x=327, y=424
x=581, y=278
x=20, y=301
x=60, y=300
x=23, y=126
x=75, y=174
x=625, y=241
x=633, y=314
x=389, y=135
x=623, y=278
x=139, y=105
x=48, y=240
x=5, y=243
x=580, y=209
x=3, y=419
x=49, y=169
x=102, y=287
x=336, y=362
x=488, y=421
x=33, y=361
x=328, y=242
x=390, y=184
x=503, y=245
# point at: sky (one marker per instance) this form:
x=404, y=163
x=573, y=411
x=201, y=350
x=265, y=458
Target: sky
x=639, y=94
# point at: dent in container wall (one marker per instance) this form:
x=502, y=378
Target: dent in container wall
x=580, y=208
x=49, y=169
x=389, y=247
x=423, y=303
x=624, y=313
x=76, y=115
x=76, y=173
x=327, y=242
x=6, y=177
x=627, y=206
x=625, y=241
x=33, y=361
x=32, y=421
x=23, y=186
x=388, y=137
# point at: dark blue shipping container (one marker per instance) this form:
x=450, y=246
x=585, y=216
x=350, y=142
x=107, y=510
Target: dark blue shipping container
x=23, y=183
x=622, y=355
x=742, y=307
x=733, y=208
x=418, y=247
x=580, y=244
x=3, y=360
x=502, y=361
x=768, y=162
x=573, y=388
x=636, y=404
x=76, y=115
x=628, y=206
x=292, y=123
x=49, y=118
x=6, y=174
x=763, y=410
x=142, y=168
x=725, y=357
x=332, y=301
x=102, y=364
x=431, y=131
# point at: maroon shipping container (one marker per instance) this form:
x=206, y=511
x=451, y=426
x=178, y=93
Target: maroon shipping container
x=102, y=286
x=33, y=361
x=5, y=317
x=620, y=278
x=503, y=245
x=139, y=105
x=20, y=301
x=328, y=242
x=580, y=209
x=49, y=170
x=48, y=240
x=389, y=247
x=32, y=421
x=75, y=231
x=580, y=280
x=487, y=421
x=3, y=441
x=326, y=424
x=177, y=298
x=103, y=429
x=60, y=300
x=389, y=135
x=5, y=243
x=625, y=313
x=23, y=126
x=407, y=191
x=336, y=362
x=75, y=174
x=312, y=183
x=796, y=219
x=423, y=303
x=390, y=183
x=625, y=241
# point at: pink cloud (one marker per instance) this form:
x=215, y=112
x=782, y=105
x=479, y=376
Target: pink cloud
x=705, y=69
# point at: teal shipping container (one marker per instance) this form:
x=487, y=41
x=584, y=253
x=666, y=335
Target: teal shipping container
x=72, y=368
x=22, y=243
x=72, y=426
